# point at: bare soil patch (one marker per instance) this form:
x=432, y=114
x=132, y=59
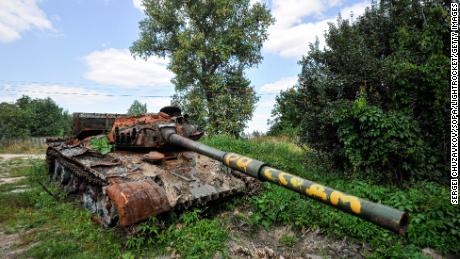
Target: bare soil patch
x=12, y=245
x=22, y=156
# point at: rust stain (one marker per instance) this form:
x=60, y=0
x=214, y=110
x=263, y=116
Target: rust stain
x=124, y=197
x=146, y=199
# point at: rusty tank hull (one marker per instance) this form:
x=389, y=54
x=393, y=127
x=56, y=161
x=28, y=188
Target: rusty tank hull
x=123, y=188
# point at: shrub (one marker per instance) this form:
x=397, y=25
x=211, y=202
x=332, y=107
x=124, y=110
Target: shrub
x=387, y=143
x=377, y=98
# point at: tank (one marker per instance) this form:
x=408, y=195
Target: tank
x=155, y=165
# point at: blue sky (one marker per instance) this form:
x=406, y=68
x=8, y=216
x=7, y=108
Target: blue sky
x=75, y=51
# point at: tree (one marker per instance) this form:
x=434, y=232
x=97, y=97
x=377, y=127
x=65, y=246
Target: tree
x=377, y=99
x=285, y=114
x=210, y=44
x=137, y=108
x=14, y=122
x=33, y=117
x=46, y=117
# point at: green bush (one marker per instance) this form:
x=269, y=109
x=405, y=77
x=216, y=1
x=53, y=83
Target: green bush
x=377, y=98
x=33, y=117
x=433, y=221
x=387, y=144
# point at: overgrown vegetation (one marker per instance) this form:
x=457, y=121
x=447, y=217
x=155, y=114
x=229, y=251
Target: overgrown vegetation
x=376, y=101
x=33, y=117
x=101, y=144
x=58, y=227
x=434, y=222
x=188, y=235
x=22, y=147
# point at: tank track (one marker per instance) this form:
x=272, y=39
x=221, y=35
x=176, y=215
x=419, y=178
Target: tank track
x=74, y=179
x=74, y=166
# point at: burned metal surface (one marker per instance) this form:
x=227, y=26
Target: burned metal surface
x=127, y=186
x=122, y=187
x=89, y=124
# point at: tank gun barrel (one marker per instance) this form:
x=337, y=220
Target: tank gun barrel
x=376, y=213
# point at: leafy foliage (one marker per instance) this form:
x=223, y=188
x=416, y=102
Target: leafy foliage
x=33, y=117
x=286, y=114
x=377, y=98
x=13, y=121
x=210, y=44
x=101, y=144
x=137, y=108
x=433, y=220
x=388, y=143
x=191, y=236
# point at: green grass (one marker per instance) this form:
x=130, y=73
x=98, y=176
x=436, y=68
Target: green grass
x=189, y=235
x=25, y=147
x=62, y=229
x=434, y=222
x=288, y=240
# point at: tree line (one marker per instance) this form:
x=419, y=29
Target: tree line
x=29, y=117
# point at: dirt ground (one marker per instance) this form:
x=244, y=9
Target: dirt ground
x=310, y=244
x=21, y=156
x=12, y=245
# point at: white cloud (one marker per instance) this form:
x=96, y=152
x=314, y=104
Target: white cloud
x=261, y=114
x=282, y=84
x=290, y=36
x=293, y=41
x=117, y=67
x=264, y=107
x=17, y=16
x=290, y=12
x=138, y=5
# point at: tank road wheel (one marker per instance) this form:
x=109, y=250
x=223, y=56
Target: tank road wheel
x=68, y=181
x=65, y=177
x=73, y=185
x=58, y=168
x=89, y=198
x=106, y=211
x=98, y=203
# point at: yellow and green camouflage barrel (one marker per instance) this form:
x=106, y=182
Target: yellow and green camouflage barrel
x=379, y=214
